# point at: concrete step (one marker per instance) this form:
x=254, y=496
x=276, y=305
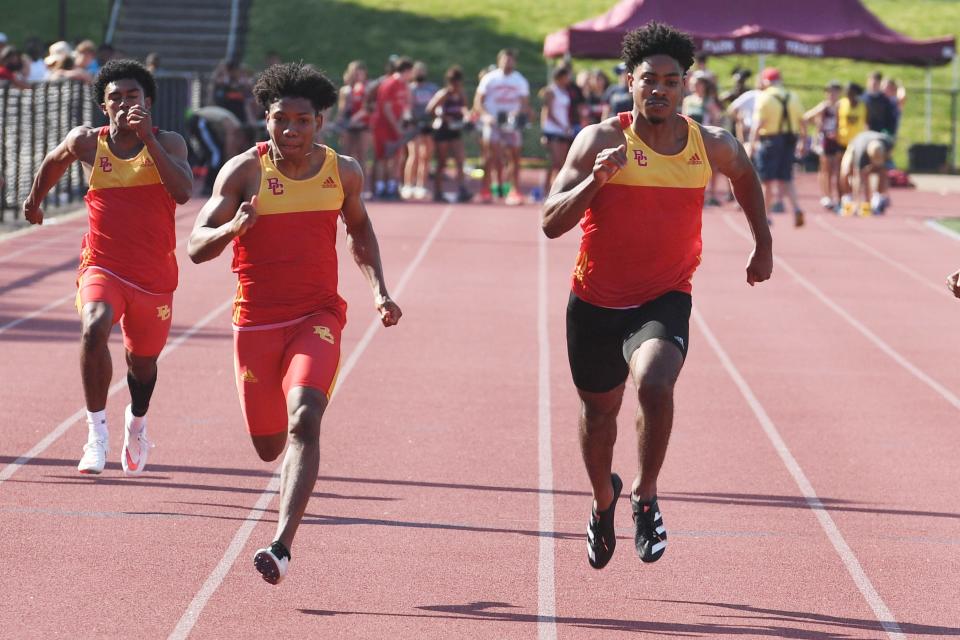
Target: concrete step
x=139, y=24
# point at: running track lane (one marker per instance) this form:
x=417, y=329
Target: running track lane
x=746, y=557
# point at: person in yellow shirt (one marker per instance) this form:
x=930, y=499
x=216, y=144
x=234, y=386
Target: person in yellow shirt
x=777, y=125
x=851, y=115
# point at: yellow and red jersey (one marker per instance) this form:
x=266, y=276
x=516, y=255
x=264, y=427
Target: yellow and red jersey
x=641, y=234
x=131, y=214
x=286, y=264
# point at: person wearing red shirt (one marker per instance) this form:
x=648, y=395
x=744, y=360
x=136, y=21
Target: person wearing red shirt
x=392, y=111
x=128, y=270
x=635, y=183
x=278, y=205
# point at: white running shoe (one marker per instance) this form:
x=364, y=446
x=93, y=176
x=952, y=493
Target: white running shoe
x=94, y=456
x=271, y=568
x=133, y=458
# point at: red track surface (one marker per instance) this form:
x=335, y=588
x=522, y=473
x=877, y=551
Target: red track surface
x=809, y=490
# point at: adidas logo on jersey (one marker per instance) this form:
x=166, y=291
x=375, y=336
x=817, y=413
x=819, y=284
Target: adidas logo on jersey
x=329, y=183
x=695, y=159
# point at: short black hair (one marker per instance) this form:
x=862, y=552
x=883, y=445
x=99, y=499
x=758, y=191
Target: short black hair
x=294, y=80
x=655, y=38
x=124, y=70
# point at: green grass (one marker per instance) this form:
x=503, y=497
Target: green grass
x=950, y=223
x=330, y=33
x=85, y=19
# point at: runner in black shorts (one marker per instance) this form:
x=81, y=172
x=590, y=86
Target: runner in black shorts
x=601, y=341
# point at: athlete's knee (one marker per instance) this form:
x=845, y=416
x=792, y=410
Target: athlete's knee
x=598, y=410
x=654, y=389
x=269, y=448
x=306, y=415
x=96, y=324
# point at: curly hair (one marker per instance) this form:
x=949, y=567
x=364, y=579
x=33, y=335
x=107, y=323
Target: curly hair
x=124, y=70
x=656, y=38
x=294, y=80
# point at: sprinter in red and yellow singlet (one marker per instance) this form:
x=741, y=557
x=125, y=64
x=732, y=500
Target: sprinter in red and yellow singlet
x=128, y=271
x=278, y=205
x=635, y=185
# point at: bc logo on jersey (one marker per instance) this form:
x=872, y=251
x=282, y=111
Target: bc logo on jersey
x=105, y=165
x=275, y=186
x=639, y=156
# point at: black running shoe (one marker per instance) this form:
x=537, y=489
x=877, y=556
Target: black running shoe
x=272, y=562
x=650, y=537
x=601, y=538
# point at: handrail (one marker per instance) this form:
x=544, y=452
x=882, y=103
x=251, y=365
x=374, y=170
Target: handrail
x=112, y=25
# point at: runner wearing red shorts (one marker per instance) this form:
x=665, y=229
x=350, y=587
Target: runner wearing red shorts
x=128, y=270
x=278, y=205
x=635, y=183
x=392, y=109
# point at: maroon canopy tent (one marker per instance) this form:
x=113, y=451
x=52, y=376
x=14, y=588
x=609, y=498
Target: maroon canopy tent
x=811, y=28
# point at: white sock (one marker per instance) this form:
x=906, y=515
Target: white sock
x=137, y=423
x=97, y=425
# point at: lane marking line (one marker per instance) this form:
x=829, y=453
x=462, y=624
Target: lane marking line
x=894, y=355
x=37, y=312
x=546, y=589
x=939, y=228
x=940, y=289
x=880, y=610
x=62, y=428
x=190, y=616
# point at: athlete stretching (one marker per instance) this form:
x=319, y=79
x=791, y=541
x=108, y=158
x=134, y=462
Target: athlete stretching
x=128, y=270
x=636, y=183
x=278, y=204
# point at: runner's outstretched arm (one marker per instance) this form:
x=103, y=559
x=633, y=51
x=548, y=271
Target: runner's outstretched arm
x=363, y=242
x=729, y=158
x=589, y=165
x=54, y=165
x=229, y=212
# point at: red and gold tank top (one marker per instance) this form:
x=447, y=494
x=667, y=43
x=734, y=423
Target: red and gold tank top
x=286, y=264
x=131, y=216
x=641, y=234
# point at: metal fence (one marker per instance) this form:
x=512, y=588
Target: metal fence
x=33, y=121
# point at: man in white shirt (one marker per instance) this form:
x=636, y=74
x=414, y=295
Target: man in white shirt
x=503, y=102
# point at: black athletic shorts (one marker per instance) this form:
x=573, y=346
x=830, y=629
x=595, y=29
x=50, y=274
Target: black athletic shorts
x=600, y=341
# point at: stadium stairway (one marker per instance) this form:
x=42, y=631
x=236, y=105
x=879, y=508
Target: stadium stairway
x=189, y=35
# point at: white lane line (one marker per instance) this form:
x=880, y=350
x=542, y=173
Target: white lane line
x=880, y=610
x=62, y=428
x=35, y=246
x=49, y=223
x=189, y=618
x=546, y=590
x=939, y=288
x=37, y=312
x=939, y=228
x=911, y=368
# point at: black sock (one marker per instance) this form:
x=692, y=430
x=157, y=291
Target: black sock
x=140, y=393
x=280, y=550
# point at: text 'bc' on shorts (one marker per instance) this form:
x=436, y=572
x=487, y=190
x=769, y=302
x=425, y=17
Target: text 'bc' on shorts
x=601, y=341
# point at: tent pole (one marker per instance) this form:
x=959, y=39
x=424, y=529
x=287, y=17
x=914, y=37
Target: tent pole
x=929, y=106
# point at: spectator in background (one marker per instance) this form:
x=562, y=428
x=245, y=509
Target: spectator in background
x=881, y=111
x=105, y=53
x=152, y=62
x=867, y=154
x=825, y=116
x=700, y=66
x=449, y=107
x=420, y=149
x=62, y=64
x=778, y=124
x=352, y=114
x=503, y=102
x=619, y=99
x=851, y=115
x=555, y=123
x=740, y=77
x=85, y=57
x=233, y=91
x=898, y=96
x=392, y=111
x=37, y=67
x=11, y=67
x=701, y=107
x=215, y=136
x=596, y=88
x=271, y=58
x=578, y=99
